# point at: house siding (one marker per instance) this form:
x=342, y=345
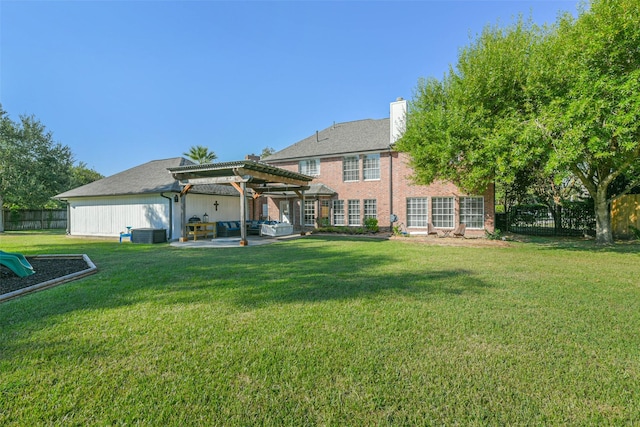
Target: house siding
x=107, y=216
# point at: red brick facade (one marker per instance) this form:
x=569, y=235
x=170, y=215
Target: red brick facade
x=391, y=193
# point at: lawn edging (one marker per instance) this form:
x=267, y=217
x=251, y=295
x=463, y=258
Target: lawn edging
x=91, y=269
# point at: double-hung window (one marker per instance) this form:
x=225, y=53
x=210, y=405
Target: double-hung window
x=370, y=208
x=417, y=213
x=472, y=211
x=309, y=212
x=350, y=168
x=309, y=167
x=354, y=212
x=442, y=212
x=338, y=212
x=371, y=166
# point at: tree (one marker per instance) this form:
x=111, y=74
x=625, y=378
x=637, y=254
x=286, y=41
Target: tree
x=33, y=168
x=82, y=175
x=556, y=102
x=266, y=152
x=201, y=154
x=592, y=123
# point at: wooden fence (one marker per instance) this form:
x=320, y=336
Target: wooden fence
x=625, y=215
x=45, y=219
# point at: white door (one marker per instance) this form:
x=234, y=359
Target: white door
x=284, y=212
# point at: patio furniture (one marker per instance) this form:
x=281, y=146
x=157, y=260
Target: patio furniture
x=431, y=230
x=456, y=232
x=459, y=231
x=202, y=229
x=228, y=228
x=127, y=234
x=277, y=229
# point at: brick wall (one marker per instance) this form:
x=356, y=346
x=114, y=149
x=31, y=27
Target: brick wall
x=394, y=165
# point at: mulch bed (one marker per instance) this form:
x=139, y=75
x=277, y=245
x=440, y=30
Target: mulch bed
x=46, y=269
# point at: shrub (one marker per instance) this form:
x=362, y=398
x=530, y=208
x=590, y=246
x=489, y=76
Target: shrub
x=371, y=224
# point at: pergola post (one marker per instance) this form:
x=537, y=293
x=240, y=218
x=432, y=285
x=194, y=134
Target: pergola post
x=243, y=214
x=183, y=216
x=302, y=233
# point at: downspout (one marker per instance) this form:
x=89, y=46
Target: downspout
x=170, y=214
x=390, y=189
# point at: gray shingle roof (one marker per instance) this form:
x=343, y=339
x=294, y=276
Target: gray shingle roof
x=340, y=139
x=148, y=178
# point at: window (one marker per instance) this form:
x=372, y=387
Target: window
x=417, y=213
x=350, y=169
x=472, y=211
x=309, y=167
x=371, y=166
x=309, y=212
x=354, y=212
x=370, y=208
x=442, y=212
x=338, y=212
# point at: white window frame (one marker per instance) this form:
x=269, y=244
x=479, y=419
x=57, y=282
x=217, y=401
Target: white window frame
x=371, y=167
x=338, y=212
x=354, y=217
x=310, y=213
x=472, y=211
x=309, y=167
x=350, y=169
x=417, y=212
x=443, y=213
x=370, y=208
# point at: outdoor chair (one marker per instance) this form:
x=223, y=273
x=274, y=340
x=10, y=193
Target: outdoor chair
x=456, y=232
x=459, y=231
x=431, y=230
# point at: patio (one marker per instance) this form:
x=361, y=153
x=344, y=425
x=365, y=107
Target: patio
x=232, y=242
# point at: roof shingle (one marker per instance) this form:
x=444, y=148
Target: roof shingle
x=340, y=139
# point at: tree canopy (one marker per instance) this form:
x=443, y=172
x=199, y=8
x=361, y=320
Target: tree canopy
x=200, y=154
x=557, y=102
x=34, y=168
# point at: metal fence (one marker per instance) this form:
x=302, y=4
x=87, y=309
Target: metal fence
x=45, y=219
x=570, y=219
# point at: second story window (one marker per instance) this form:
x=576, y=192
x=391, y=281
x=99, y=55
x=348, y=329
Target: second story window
x=350, y=168
x=371, y=166
x=309, y=167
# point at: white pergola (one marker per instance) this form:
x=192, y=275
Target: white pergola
x=261, y=178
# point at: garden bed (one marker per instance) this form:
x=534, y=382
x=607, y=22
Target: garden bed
x=50, y=270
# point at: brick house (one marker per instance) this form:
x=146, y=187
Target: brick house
x=357, y=175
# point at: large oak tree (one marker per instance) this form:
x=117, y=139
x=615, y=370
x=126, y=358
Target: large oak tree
x=558, y=101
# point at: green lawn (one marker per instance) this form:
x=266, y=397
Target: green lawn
x=326, y=331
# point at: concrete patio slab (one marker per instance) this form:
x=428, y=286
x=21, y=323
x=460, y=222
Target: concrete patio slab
x=232, y=242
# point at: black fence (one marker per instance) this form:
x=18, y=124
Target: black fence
x=570, y=219
x=45, y=219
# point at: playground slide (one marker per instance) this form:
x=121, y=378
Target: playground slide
x=16, y=263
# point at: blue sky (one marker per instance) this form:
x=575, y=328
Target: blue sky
x=125, y=82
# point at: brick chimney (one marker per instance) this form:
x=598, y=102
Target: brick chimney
x=397, y=114
x=252, y=157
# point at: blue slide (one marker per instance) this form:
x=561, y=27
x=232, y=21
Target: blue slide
x=16, y=263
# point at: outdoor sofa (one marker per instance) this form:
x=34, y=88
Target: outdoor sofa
x=228, y=228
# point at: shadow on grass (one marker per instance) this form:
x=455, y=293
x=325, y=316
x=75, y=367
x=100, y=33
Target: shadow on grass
x=580, y=244
x=300, y=271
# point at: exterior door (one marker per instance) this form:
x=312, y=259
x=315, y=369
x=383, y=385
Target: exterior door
x=284, y=212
